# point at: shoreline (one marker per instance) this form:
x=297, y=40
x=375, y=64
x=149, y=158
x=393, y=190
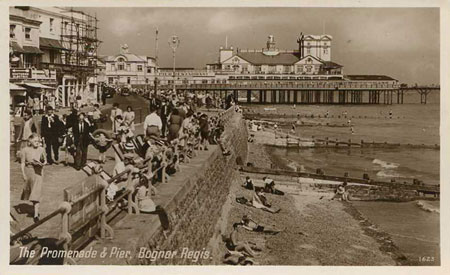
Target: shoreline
x=315, y=231
x=384, y=240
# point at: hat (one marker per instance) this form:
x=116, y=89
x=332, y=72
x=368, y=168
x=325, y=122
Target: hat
x=129, y=146
x=90, y=114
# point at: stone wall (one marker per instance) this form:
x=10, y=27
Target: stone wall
x=195, y=209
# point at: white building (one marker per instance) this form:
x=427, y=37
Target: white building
x=130, y=70
x=312, y=58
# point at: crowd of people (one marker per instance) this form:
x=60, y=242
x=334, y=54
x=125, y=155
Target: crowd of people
x=173, y=131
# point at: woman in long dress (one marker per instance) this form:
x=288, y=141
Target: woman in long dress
x=129, y=117
x=175, y=121
x=32, y=165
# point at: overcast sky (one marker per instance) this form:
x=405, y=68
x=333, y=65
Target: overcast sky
x=399, y=42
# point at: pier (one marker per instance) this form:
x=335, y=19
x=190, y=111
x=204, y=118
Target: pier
x=313, y=92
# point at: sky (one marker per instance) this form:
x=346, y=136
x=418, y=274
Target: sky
x=400, y=42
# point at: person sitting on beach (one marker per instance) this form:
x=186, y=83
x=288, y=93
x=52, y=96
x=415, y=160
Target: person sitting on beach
x=259, y=201
x=249, y=224
x=269, y=186
x=235, y=243
x=248, y=184
x=341, y=192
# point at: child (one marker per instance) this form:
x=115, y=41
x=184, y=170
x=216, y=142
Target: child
x=102, y=143
x=68, y=145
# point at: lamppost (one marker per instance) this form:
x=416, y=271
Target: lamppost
x=174, y=42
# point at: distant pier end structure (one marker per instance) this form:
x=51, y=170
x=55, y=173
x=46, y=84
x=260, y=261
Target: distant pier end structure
x=306, y=75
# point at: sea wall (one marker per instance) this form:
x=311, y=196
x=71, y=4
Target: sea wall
x=195, y=208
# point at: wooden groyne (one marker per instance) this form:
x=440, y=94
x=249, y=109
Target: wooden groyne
x=415, y=189
x=279, y=138
x=270, y=115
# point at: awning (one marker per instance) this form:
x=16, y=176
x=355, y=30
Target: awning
x=38, y=85
x=14, y=87
x=16, y=48
x=15, y=90
x=30, y=49
x=50, y=43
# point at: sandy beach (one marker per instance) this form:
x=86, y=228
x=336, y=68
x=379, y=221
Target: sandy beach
x=315, y=229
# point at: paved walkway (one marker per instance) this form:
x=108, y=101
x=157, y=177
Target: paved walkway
x=56, y=179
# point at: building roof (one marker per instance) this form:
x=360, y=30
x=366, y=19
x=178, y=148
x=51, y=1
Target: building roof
x=331, y=65
x=50, y=43
x=369, y=77
x=259, y=58
x=130, y=57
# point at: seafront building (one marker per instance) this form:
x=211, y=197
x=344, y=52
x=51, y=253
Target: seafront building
x=53, y=55
x=130, y=70
x=313, y=57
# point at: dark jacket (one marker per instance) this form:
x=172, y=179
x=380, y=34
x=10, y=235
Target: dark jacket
x=84, y=136
x=52, y=130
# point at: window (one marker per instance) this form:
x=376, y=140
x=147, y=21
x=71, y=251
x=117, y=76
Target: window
x=325, y=50
x=139, y=68
x=149, y=70
x=111, y=80
x=120, y=67
x=27, y=33
x=12, y=29
x=308, y=69
x=128, y=67
x=51, y=24
x=146, y=80
x=128, y=80
x=272, y=69
x=308, y=50
x=52, y=56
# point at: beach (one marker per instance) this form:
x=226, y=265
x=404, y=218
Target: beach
x=314, y=229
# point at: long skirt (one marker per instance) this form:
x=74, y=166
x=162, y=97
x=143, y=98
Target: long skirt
x=32, y=190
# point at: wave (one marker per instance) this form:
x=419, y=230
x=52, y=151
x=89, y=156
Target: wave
x=388, y=174
x=385, y=164
x=428, y=207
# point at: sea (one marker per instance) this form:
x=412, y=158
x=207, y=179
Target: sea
x=414, y=226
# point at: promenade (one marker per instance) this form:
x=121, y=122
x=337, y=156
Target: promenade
x=57, y=177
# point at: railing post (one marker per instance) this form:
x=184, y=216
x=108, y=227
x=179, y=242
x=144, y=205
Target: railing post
x=104, y=227
x=65, y=207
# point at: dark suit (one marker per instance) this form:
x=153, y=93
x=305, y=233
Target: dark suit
x=165, y=112
x=81, y=140
x=50, y=132
x=154, y=103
